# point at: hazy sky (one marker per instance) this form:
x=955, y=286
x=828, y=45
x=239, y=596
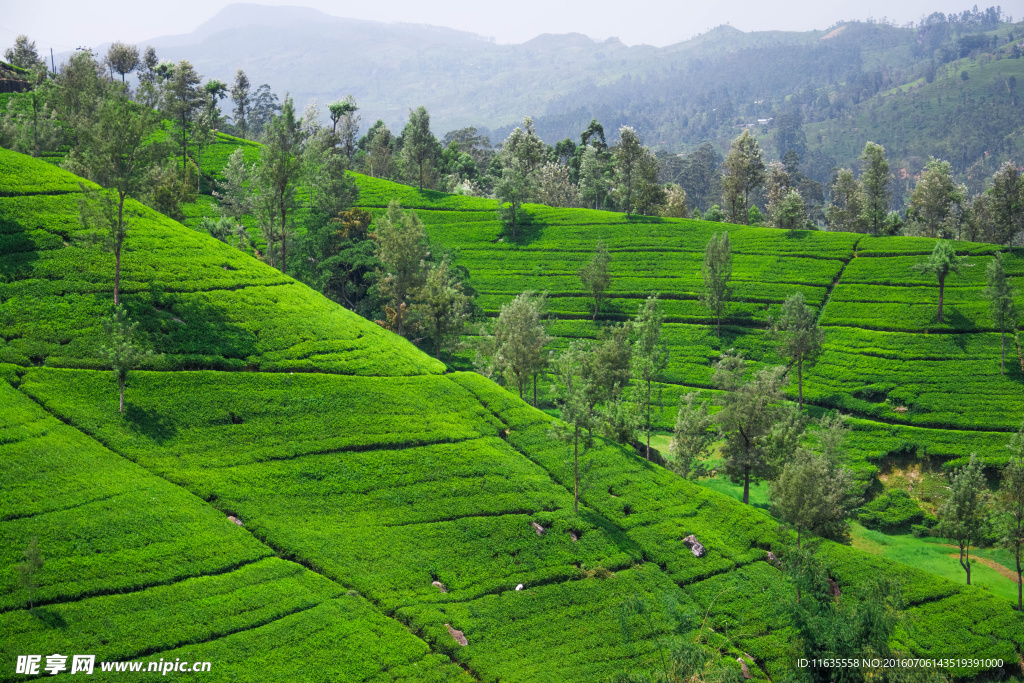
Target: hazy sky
x=66, y=24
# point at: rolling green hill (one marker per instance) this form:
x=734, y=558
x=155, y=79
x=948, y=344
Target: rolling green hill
x=362, y=472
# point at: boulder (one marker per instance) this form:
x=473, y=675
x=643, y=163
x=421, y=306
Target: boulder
x=457, y=635
x=694, y=545
x=746, y=670
x=439, y=585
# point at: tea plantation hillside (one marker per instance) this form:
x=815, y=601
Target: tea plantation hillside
x=386, y=507
x=911, y=383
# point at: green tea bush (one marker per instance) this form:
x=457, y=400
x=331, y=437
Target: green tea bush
x=892, y=512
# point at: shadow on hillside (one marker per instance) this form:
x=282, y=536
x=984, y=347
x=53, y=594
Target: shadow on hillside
x=48, y=618
x=961, y=323
x=193, y=332
x=149, y=423
x=528, y=229
x=622, y=541
x=17, y=251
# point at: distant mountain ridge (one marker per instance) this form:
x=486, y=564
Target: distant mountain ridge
x=462, y=78
x=824, y=92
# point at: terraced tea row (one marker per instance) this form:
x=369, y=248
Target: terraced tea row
x=867, y=285
x=129, y=561
x=183, y=287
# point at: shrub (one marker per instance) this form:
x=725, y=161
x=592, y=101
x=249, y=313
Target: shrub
x=892, y=512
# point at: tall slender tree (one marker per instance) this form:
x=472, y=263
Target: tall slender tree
x=183, y=99
x=402, y=248
x=717, y=271
x=846, y=212
x=520, y=159
x=240, y=96
x=1007, y=193
x=596, y=275
x=814, y=493
x=572, y=390
x=627, y=157
x=750, y=408
x=799, y=336
x=419, y=146
x=278, y=173
x=1010, y=507
x=442, y=304
x=744, y=173
x=117, y=153
x=121, y=350
x=123, y=58
x=650, y=358
x=963, y=517
x=516, y=347
x=693, y=436
x=936, y=196
x=1002, y=308
x=593, y=183
x=941, y=263
x=875, y=180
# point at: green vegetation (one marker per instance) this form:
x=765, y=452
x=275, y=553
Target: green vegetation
x=312, y=484
x=892, y=512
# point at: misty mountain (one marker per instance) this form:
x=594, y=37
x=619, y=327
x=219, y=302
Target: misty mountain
x=821, y=93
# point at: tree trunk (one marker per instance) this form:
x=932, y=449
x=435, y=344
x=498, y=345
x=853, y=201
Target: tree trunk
x=800, y=382
x=746, y=485
x=576, y=471
x=421, y=176
x=648, y=454
x=120, y=388
x=534, y=390
x=117, y=275
x=1002, y=357
x=35, y=124
x=284, y=238
x=1020, y=584
x=967, y=565
x=942, y=285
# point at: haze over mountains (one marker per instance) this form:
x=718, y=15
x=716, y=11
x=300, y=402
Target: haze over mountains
x=462, y=78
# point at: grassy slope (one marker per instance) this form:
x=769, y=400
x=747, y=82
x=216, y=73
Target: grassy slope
x=377, y=475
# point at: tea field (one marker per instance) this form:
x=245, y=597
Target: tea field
x=385, y=506
x=913, y=384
